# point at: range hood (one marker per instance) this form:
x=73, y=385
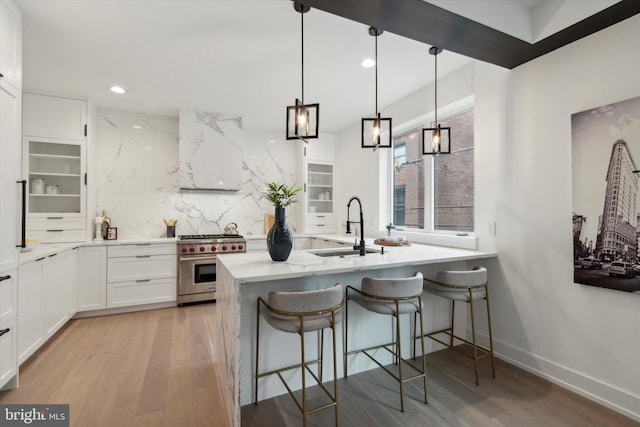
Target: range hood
x=210, y=151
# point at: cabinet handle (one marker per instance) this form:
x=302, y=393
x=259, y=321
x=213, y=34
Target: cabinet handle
x=320, y=216
x=55, y=231
x=4, y=331
x=55, y=217
x=23, y=232
x=143, y=256
x=3, y=278
x=52, y=255
x=143, y=244
x=143, y=280
x=40, y=259
x=1, y=75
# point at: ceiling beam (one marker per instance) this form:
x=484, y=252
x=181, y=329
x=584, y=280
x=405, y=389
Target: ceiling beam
x=435, y=26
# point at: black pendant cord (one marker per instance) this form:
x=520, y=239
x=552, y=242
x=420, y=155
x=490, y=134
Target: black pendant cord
x=302, y=53
x=376, y=53
x=436, y=89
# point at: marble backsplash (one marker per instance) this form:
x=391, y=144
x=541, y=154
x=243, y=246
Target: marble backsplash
x=138, y=179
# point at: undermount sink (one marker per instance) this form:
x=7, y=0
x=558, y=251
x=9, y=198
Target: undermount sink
x=341, y=252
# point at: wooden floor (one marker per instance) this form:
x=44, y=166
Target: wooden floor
x=157, y=368
x=151, y=368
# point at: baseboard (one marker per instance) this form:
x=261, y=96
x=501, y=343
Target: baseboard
x=605, y=394
x=120, y=310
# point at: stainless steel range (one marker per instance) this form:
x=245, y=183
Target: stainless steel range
x=197, y=255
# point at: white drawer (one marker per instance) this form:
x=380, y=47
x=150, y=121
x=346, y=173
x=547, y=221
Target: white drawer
x=254, y=245
x=319, y=219
x=142, y=267
x=57, y=223
x=8, y=351
x=142, y=249
x=57, y=235
x=124, y=294
x=320, y=229
x=8, y=294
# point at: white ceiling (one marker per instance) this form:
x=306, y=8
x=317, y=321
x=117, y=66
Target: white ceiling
x=241, y=56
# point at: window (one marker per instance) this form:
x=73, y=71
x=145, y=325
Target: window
x=408, y=180
x=440, y=186
x=453, y=178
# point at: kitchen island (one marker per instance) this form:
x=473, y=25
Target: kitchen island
x=243, y=277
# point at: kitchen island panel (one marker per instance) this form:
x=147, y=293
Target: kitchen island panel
x=242, y=278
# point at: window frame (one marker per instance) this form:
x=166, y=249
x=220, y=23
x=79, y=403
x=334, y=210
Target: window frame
x=429, y=184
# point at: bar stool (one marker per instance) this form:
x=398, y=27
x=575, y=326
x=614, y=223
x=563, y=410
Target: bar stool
x=300, y=312
x=467, y=286
x=391, y=297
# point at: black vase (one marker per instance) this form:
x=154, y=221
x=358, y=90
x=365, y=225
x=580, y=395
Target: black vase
x=280, y=238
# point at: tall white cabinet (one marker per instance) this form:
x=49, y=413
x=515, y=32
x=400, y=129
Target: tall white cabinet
x=54, y=164
x=10, y=188
x=318, y=177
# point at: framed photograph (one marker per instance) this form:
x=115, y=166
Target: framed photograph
x=112, y=233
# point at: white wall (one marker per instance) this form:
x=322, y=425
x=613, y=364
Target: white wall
x=137, y=179
x=582, y=337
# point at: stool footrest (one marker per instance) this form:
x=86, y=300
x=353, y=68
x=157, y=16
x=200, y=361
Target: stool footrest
x=486, y=351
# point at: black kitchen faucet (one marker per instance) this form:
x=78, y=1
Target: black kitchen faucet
x=356, y=246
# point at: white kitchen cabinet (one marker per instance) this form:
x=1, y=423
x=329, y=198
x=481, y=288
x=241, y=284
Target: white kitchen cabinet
x=323, y=149
x=141, y=274
x=256, y=245
x=54, y=153
x=8, y=330
x=54, y=117
x=92, y=278
x=55, y=284
x=317, y=163
x=72, y=287
x=43, y=300
x=30, y=308
x=8, y=351
x=11, y=43
x=8, y=294
x=56, y=206
x=10, y=189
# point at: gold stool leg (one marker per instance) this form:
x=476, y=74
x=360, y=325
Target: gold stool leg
x=303, y=371
x=424, y=356
x=255, y=398
x=486, y=294
x=399, y=355
x=335, y=364
x=346, y=333
x=473, y=336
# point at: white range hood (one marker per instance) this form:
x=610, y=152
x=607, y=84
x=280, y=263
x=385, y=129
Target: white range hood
x=210, y=151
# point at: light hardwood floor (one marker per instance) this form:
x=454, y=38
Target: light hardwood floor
x=157, y=368
x=151, y=368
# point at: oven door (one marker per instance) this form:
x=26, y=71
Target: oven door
x=197, y=275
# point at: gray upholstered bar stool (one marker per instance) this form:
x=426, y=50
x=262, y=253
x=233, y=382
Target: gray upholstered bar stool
x=467, y=286
x=301, y=312
x=390, y=297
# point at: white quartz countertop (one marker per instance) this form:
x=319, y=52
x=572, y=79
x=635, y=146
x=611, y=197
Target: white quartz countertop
x=46, y=249
x=258, y=266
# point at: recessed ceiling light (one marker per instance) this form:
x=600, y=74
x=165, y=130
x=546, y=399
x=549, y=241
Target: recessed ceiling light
x=368, y=63
x=117, y=89
x=136, y=127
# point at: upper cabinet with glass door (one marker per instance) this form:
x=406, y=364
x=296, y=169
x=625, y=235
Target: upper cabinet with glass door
x=318, y=165
x=54, y=165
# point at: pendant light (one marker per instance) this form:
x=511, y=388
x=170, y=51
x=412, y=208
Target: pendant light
x=376, y=132
x=302, y=119
x=436, y=140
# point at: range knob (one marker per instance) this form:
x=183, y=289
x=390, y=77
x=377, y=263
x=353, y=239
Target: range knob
x=233, y=248
x=213, y=248
x=192, y=249
x=184, y=250
x=201, y=248
x=240, y=247
x=224, y=248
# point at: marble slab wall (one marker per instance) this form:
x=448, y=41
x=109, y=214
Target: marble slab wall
x=138, y=179
x=210, y=151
